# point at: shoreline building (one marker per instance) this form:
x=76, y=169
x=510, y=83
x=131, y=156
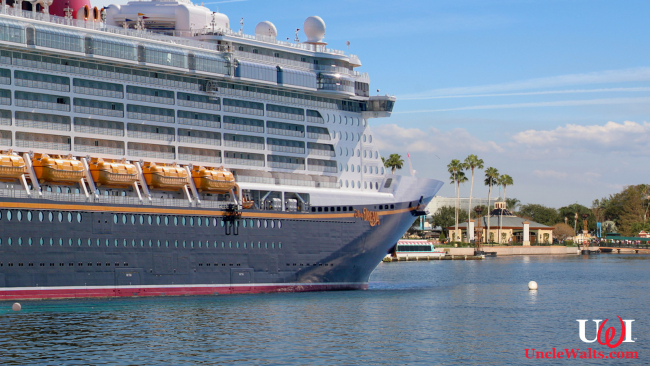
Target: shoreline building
x=505, y=228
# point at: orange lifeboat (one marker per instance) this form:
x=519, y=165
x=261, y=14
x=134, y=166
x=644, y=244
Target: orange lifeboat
x=113, y=174
x=11, y=166
x=57, y=169
x=213, y=180
x=164, y=176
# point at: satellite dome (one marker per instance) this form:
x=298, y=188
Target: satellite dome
x=266, y=28
x=314, y=29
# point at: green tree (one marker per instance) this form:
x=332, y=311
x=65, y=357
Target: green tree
x=454, y=168
x=542, y=214
x=445, y=217
x=472, y=162
x=512, y=203
x=504, y=181
x=393, y=162
x=491, y=177
x=570, y=213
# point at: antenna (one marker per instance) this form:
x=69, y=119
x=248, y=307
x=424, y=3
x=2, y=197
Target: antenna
x=241, y=24
x=297, y=39
x=348, y=44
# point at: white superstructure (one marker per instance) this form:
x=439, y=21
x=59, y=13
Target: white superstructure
x=169, y=81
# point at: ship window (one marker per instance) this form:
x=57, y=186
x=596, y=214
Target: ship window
x=223, y=244
x=320, y=209
x=183, y=220
x=191, y=221
x=115, y=242
x=272, y=224
x=229, y=244
x=244, y=245
x=166, y=220
x=117, y=264
x=184, y=244
x=237, y=244
x=20, y=241
x=266, y=245
x=79, y=242
x=222, y=223
x=326, y=209
x=124, y=219
x=279, y=245
x=141, y=219
x=176, y=220
x=200, y=244
x=192, y=244
x=313, y=209
x=149, y=219
x=124, y=242
x=29, y=216
x=19, y=215
x=157, y=220
x=199, y=221
x=133, y=243
x=142, y=243
x=69, y=217
x=272, y=245
x=245, y=223
x=108, y=264
x=115, y=218
x=176, y=243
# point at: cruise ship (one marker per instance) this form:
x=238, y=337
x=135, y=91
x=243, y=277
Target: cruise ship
x=148, y=150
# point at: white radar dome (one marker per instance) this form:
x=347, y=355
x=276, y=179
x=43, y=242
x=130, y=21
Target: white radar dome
x=267, y=29
x=314, y=29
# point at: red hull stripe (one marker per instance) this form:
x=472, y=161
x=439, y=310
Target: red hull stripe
x=34, y=293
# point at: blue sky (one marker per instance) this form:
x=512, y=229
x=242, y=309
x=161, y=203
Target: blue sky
x=555, y=93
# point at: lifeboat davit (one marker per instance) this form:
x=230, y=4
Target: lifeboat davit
x=11, y=166
x=217, y=180
x=165, y=176
x=113, y=174
x=57, y=169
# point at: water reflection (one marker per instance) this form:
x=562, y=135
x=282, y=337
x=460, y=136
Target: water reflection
x=430, y=312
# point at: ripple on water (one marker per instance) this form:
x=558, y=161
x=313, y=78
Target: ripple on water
x=446, y=312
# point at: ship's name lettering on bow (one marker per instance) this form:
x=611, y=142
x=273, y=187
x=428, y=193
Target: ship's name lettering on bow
x=370, y=216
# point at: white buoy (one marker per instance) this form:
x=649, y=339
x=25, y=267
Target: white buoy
x=532, y=285
x=16, y=307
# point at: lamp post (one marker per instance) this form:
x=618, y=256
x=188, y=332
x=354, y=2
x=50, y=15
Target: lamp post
x=478, y=247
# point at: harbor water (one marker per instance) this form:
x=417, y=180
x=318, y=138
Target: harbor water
x=438, y=312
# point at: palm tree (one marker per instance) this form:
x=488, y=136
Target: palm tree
x=472, y=162
x=491, y=178
x=393, y=162
x=505, y=181
x=460, y=179
x=454, y=168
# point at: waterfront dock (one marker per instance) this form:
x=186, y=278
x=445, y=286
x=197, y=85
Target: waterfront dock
x=435, y=258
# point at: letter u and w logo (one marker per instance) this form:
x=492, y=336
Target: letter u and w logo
x=607, y=338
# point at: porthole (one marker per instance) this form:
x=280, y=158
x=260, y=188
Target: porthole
x=364, y=138
x=133, y=243
x=134, y=219
x=116, y=243
x=199, y=221
x=340, y=167
x=19, y=215
x=9, y=241
x=365, y=169
x=175, y=243
x=272, y=224
x=358, y=136
x=29, y=215
x=340, y=136
x=79, y=242
x=29, y=241
x=244, y=245
x=376, y=185
x=364, y=122
x=70, y=242
x=50, y=216
x=364, y=154
x=346, y=183
x=183, y=220
x=251, y=222
x=352, y=184
x=191, y=221
x=124, y=242
x=346, y=136
x=382, y=170
x=340, y=151
x=222, y=224
x=279, y=224
x=115, y=218
x=346, y=167
x=40, y=241
x=359, y=184
x=352, y=168
x=184, y=244
x=359, y=168
x=259, y=223
x=51, y=241
x=358, y=153
x=149, y=219
x=370, y=138
x=20, y=242
x=376, y=154
x=245, y=223
x=365, y=185
x=142, y=243
x=340, y=119
x=207, y=222
x=266, y=224
x=157, y=220
x=346, y=120
x=141, y=219
x=124, y=219
x=60, y=216
x=79, y=218
x=175, y=220
x=166, y=220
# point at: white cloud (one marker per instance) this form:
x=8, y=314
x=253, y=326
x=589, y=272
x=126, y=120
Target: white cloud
x=619, y=136
x=550, y=174
x=564, y=103
x=393, y=137
x=545, y=92
x=601, y=77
